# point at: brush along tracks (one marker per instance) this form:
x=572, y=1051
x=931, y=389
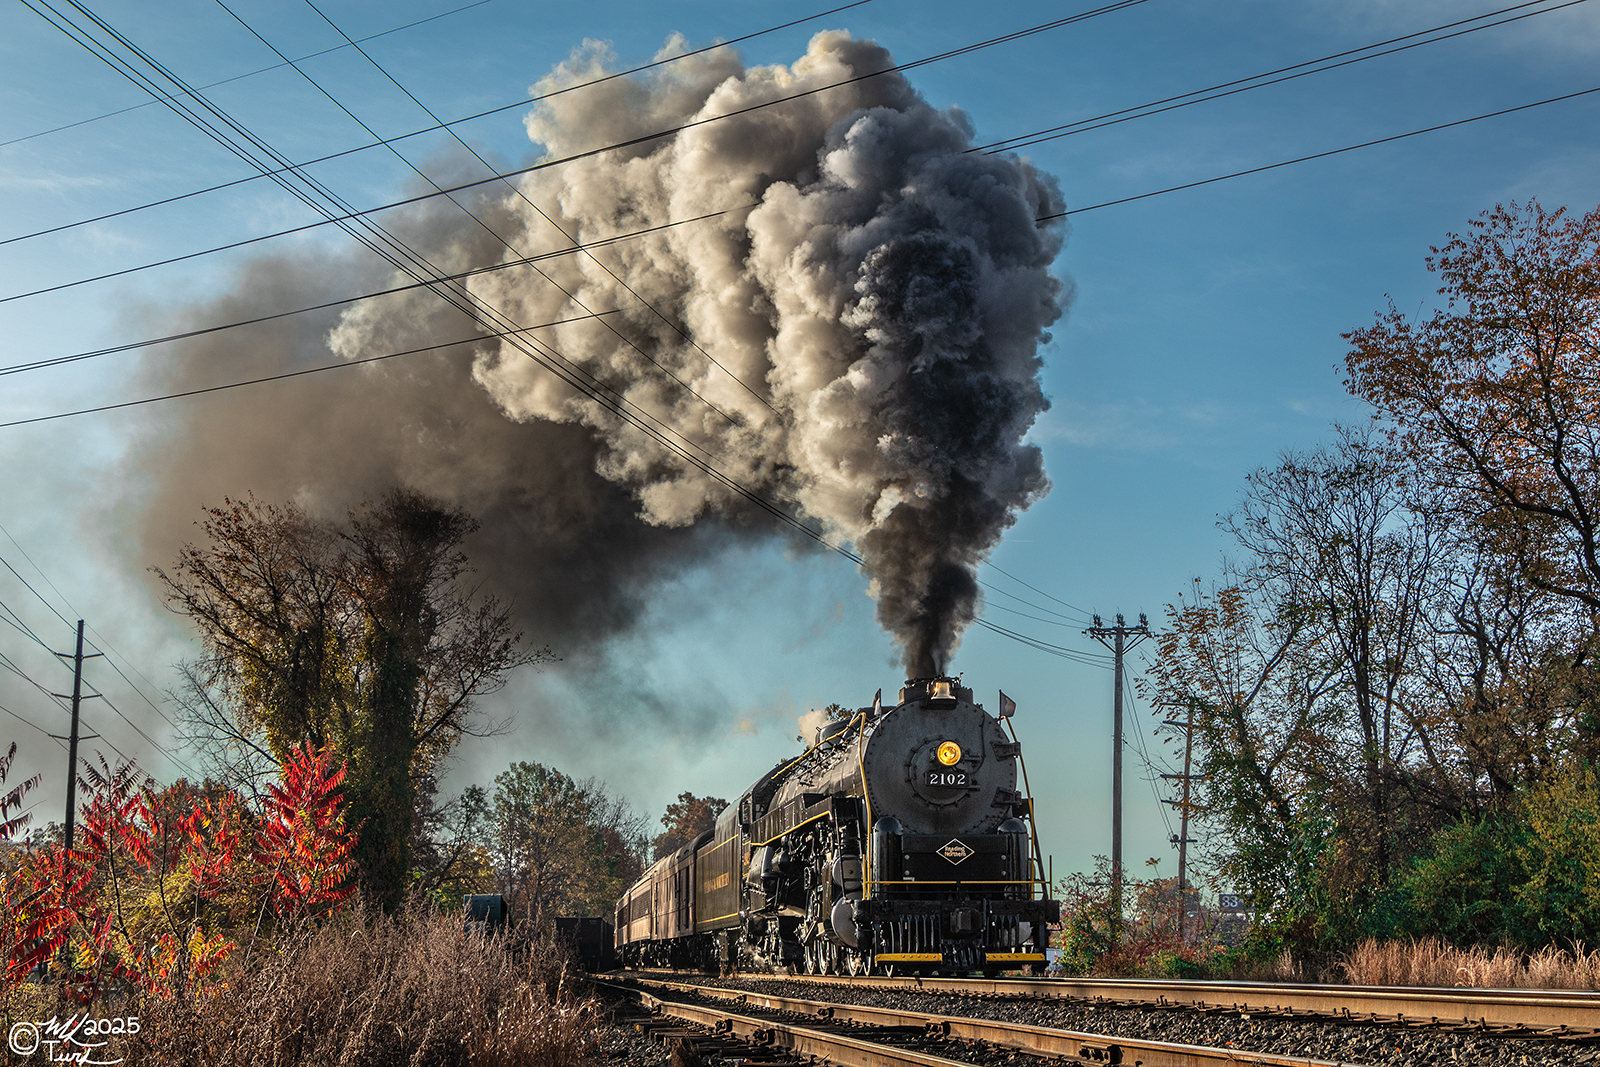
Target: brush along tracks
x=1570, y=1016
x=858, y=1036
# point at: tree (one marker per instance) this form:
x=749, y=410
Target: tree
x=12, y=800
x=1396, y=690
x=562, y=847
x=449, y=849
x=362, y=635
x=1321, y=753
x=1262, y=718
x=686, y=819
x=166, y=883
x=1499, y=393
x=1329, y=534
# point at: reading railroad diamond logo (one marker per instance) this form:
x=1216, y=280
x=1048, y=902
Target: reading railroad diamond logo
x=955, y=851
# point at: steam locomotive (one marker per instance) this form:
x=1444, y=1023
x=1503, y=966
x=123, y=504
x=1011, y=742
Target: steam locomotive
x=897, y=843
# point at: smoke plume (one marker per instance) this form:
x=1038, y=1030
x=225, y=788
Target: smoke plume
x=854, y=338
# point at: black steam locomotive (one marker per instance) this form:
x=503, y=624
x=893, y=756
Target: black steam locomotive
x=897, y=843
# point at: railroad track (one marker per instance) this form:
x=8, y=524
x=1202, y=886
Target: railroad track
x=856, y=1036
x=1570, y=1014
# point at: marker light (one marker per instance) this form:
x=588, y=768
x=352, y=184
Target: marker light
x=949, y=753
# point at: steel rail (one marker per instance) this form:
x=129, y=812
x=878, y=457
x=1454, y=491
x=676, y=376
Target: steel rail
x=1532, y=1008
x=1035, y=1040
x=819, y=1044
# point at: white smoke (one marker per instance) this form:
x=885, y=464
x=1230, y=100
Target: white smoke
x=865, y=317
x=811, y=724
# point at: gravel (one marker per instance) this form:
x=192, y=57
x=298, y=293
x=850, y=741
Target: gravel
x=1367, y=1045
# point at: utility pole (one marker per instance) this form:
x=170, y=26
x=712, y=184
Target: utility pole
x=72, y=741
x=1117, y=638
x=1182, y=840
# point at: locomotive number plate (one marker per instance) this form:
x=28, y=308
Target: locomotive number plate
x=955, y=778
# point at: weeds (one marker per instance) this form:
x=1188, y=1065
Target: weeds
x=1431, y=962
x=364, y=988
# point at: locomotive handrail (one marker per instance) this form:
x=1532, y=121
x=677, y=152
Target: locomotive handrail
x=866, y=798
x=792, y=829
x=1033, y=824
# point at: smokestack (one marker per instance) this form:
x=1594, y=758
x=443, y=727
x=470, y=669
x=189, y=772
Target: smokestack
x=856, y=339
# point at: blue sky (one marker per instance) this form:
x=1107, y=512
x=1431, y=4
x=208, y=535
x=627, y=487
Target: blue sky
x=1203, y=339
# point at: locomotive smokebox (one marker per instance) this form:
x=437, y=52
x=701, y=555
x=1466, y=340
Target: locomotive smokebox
x=939, y=763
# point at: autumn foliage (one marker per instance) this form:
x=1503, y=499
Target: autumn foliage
x=1498, y=393
x=162, y=887
x=1394, y=685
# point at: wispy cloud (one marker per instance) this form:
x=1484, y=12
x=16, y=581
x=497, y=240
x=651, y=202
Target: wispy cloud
x=1141, y=426
x=51, y=181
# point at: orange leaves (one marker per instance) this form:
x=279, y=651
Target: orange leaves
x=137, y=902
x=303, y=838
x=39, y=899
x=1498, y=395
x=214, y=837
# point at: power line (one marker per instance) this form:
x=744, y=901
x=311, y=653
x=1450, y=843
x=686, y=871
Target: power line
x=1086, y=658
x=571, y=296
x=65, y=621
x=372, y=236
x=241, y=77
x=394, y=249
x=522, y=102
x=1152, y=768
x=1086, y=614
x=104, y=646
x=517, y=190
x=25, y=676
x=1195, y=96
x=286, y=167
x=1042, y=218
x=1035, y=618
x=13, y=620
x=1319, y=155
x=473, y=307
x=152, y=742
x=1199, y=96
x=475, y=338
x=1036, y=607
x=29, y=722
x=1045, y=646
x=56, y=361
x=28, y=630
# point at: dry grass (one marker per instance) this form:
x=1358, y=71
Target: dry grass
x=366, y=989
x=1430, y=962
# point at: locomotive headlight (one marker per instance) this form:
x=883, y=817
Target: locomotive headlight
x=949, y=753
